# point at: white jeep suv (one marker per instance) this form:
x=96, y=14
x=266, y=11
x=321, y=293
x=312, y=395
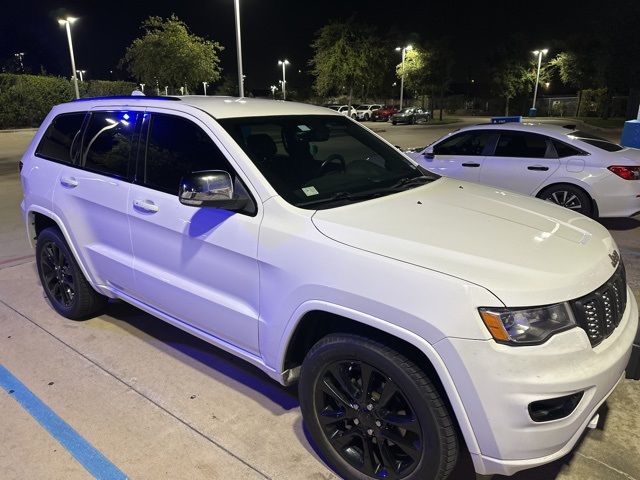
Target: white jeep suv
x=417, y=312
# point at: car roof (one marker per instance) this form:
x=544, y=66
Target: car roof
x=543, y=128
x=216, y=106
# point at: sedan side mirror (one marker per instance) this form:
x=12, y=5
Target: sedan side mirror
x=210, y=188
x=428, y=153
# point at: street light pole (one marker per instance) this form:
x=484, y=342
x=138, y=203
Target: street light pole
x=284, y=63
x=404, y=52
x=539, y=53
x=204, y=84
x=239, y=48
x=67, y=23
x=81, y=73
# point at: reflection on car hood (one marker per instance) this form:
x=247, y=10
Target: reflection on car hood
x=526, y=251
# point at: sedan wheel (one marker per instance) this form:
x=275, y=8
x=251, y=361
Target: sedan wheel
x=570, y=197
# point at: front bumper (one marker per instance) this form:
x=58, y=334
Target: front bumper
x=497, y=383
x=633, y=367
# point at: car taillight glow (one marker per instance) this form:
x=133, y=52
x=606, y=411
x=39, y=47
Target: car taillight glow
x=626, y=172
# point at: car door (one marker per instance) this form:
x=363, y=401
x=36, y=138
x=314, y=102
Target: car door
x=197, y=265
x=91, y=196
x=521, y=162
x=459, y=155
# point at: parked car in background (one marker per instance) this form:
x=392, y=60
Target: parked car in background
x=570, y=167
x=411, y=115
x=344, y=109
x=383, y=114
x=364, y=112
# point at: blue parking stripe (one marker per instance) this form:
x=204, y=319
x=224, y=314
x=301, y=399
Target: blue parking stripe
x=90, y=458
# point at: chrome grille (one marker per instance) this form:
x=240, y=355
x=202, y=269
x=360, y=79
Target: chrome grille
x=600, y=312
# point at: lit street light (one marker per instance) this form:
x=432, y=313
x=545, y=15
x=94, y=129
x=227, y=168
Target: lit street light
x=205, y=84
x=142, y=87
x=274, y=89
x=404, y=51
x=166, y=90
x=20, y=56
x=81, y=73
x=239, y=48
x=67, y=24
x=284, y=63
x=539, y=53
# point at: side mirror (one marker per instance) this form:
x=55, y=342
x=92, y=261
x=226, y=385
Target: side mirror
x=428, y=153
x=210, y=188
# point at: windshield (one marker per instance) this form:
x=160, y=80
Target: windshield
x=406, y=110
x=596, y=141
x=322, y=161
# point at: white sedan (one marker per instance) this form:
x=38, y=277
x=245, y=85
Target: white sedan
x=345, y=110
x=572, y=168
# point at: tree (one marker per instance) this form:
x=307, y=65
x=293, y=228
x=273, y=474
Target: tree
x=346, y=54
x=415, y=70
x=574, y=71
x=508, y=80
x=168, y=54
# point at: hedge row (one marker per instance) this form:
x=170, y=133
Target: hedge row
x=26, y=99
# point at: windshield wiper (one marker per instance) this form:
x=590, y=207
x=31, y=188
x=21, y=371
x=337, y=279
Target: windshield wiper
x=410, y=182
x=343, y=196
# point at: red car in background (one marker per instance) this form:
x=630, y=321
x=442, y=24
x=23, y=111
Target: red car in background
x=383, y=114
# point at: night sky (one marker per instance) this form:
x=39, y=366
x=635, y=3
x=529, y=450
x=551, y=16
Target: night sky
x=284, y=29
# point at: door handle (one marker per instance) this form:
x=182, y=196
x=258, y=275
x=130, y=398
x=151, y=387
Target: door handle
x=538, y=168
x=471, y=164
x=69, y=182
x=145, y=206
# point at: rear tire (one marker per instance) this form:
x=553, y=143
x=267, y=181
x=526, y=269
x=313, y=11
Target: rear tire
x=397, y=427
x=569, y=196
x=63, y=282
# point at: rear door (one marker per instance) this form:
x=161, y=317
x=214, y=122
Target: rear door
x=521, y=162
x=460, y=155
x=91, y=196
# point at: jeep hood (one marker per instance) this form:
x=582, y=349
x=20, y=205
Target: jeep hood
x=524, y=250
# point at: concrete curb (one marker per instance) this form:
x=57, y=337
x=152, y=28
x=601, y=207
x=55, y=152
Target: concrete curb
x=18, y=130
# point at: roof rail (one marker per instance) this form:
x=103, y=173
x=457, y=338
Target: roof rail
x=128, y=97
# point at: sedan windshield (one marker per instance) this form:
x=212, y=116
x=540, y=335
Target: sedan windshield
x=323, y=161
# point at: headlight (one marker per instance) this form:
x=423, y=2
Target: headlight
x=527, y=326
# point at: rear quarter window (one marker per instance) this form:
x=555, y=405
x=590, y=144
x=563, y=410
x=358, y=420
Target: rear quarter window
x=60, y=136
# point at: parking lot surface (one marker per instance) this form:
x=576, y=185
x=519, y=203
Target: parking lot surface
x=154, y=402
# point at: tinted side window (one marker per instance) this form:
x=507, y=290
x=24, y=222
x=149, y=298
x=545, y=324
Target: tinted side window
x=177, y=147
x=563, y=150
x=516, y=144
x=467, y=143
x=59, y=137
x=107, y=142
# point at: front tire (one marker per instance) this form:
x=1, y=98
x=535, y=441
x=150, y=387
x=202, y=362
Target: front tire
x=374, y=413
x=62, y=279
x=570, y=197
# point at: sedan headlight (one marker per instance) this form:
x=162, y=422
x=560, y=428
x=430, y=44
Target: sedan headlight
x=527, y=326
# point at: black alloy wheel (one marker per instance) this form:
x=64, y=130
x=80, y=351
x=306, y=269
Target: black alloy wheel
x=57, y=274
x=63, y=282
x=368, y=420
x=373, y=413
